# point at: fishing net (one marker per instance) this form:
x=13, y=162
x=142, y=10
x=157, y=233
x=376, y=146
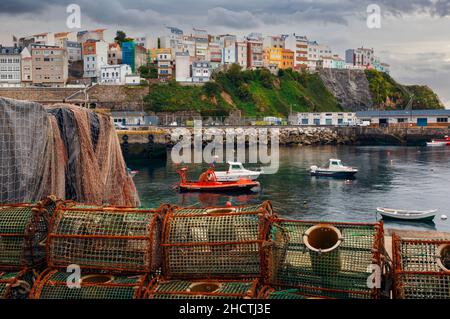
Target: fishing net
x=52, y=284
x=421, y=268
x=215, y=242
x=68, y=151
x=328, y=260
x=105, y=238
x=15, y=285
x=23, y=232
x=201, y=289
x=268, y=292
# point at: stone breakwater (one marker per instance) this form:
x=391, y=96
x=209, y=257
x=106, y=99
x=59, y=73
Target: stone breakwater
x=289, y=136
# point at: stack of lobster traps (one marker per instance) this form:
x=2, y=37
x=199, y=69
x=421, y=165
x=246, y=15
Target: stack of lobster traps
x=100, y=252
x=217, y=252
x=325, y=260
x=421, y=268
x=23, y=235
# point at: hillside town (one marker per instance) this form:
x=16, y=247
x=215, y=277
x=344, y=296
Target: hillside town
x=85, y=57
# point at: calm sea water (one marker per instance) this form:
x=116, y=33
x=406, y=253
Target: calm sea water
x=397, y=177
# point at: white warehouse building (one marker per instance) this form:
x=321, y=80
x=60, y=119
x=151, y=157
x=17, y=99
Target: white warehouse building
x=323, y=118
x=114, y=74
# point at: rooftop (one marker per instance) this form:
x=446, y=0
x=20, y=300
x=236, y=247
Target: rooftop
x=405, y=113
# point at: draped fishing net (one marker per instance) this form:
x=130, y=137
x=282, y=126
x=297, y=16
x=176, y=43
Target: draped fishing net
x=23, y=232
x=336, y=267
x=16, y=285
x=201, y=289
x=105, y=238
x=65, y=150
x=52, y=284
x=421, y=268
x=225, y=242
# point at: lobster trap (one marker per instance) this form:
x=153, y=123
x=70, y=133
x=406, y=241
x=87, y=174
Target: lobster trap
x=15, y=285
x=53, y=284
x=226, y=242
x=201, y=289
x=105, y=238
x=421, y=268
x=23, y=233
x=327, y=260
x=268, y=292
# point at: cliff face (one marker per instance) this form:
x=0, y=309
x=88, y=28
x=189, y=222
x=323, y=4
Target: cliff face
x=363, y=90
x=351, y=88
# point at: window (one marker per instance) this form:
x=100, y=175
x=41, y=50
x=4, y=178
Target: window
x=305, y=122
x=442, y=119
x=402, y=120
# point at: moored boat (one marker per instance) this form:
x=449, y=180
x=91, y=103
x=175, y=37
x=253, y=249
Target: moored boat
x=436, y=143
x=236, y=171
x=335, y=169
x=208, y=183
x=411, y=215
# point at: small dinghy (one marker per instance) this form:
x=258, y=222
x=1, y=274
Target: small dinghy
x=335, y=169
x=437, y=143
x=407, y=214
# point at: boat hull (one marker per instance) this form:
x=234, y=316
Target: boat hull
x=347, y=175
x=218, y=187
x=224, y=177
x=423, y=219
x=407, y=215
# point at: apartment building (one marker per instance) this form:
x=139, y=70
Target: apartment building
x=316, y=53
x=214, y=55
x=254, y=52
x=140, y=57
x=165, y=65
x=201, y=40
x=47, y=38
x=172, y=39
x=10, y=65
x=62, y=37
x=272, y=57
x=95, y=35
x=299, y=45
x=201, y=71
x=49, y=65
x=95, y=55
x=114, y=54
x=241, y=54
x=26, y=67
x=273, y=42
x=182, y=67
x=361, y=57
x=287, y=59
x=74, y=50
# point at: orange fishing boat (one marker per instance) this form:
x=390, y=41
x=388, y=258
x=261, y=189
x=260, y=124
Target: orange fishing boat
x=208, y=183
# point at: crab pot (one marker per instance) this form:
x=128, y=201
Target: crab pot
x=421, y=268
x=23, y=233
x=268, y=292
x=224, y=242
x=105, y=238
x=325, y=259
x=53, y=284
x=201, y=289
x=15, y=285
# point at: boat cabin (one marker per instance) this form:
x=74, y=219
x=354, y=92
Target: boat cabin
x=335, y=163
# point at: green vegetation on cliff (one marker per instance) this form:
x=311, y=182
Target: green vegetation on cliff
x=390, y=95
x=255, y=93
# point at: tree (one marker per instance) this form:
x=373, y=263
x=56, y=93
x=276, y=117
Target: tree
x=148, y=71
x=120, y=37
x=211, y=89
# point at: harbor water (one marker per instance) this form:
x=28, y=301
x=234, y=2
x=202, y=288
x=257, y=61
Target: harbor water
x=416, y=178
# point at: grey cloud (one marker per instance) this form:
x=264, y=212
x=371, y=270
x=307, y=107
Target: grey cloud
x=232, y=19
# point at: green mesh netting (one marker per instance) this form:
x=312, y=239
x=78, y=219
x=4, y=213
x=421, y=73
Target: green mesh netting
x=54, y=286
x=419, y=269
x=271, y=293
x=106, y=238
x=214, y=243
x=22, y=237
x=183, y=289
x=342, y=273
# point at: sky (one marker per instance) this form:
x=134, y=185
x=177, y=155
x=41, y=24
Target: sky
x=414, y=37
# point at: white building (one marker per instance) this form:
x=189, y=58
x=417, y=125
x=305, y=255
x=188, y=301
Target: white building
x=229, y=54
x=10, y=67
x=173, y=39
x=114, y=74
x=182, y=67
x=317, y=52
x=361, y=57
x=241, y=54
x=330, y=118
x=201, y=71
x=74, y=51
x=95, y=55
x=273, y=42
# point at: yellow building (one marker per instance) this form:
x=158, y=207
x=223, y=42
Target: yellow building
x=152, y=54
x=272, y=56
x=287, y=59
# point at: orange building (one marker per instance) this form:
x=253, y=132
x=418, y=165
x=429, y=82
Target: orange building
x=272, y=56
x=287, y=59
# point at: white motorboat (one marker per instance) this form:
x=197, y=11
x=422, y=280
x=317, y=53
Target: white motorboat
x=236, y=171
x=407, y=214
x=437, y=143
x=335, y=169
